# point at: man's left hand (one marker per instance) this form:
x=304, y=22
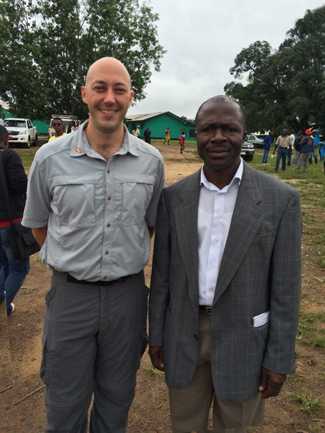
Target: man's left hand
x=271, y=383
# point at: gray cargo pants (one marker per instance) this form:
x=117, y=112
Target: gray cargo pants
x=92, y=345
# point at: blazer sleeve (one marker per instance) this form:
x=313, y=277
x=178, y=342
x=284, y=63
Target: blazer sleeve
x=285, y=290
x=159, y=292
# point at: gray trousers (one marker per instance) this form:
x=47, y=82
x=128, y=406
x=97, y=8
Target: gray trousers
x=92, y=345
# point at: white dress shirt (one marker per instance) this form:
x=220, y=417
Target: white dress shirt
x=216, y=207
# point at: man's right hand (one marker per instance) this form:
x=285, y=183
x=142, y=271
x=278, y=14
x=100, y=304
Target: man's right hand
x=157, y=357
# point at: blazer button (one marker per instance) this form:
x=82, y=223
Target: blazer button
x=196, y=336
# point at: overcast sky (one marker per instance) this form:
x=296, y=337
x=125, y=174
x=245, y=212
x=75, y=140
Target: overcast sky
x=202, y=39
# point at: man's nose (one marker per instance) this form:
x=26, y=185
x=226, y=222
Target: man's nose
x=109, y=96
x=218, y=135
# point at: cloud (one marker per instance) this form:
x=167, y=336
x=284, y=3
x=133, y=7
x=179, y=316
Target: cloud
x=202, y=38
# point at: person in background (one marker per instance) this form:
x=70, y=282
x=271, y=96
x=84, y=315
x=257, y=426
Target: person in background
x=181, y=141
x=12, y=270
x=322, y=153
x=290, y=148
x=58, y=127
x=297, y=147
x=147, y=135
x=313, y=154
x=136, y=131
x=167, y=136
x=307, y=148
x=267, y=143
x=224, y=296
x=74, y=126
x=282, y=145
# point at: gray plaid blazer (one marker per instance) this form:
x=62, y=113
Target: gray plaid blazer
x=260, y=272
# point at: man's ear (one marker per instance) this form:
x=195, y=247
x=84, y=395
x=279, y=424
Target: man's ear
x=132, y=93
x=83, y=94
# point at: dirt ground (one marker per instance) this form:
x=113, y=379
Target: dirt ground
x=299, y=409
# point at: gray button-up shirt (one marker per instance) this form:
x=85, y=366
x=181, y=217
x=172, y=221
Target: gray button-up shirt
x=97, y=211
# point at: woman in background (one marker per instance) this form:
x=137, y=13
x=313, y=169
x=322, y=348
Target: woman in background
x=14, y=179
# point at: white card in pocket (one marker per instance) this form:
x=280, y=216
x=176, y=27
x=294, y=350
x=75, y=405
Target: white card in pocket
x=261, y=319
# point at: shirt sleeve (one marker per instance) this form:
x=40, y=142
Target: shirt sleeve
x=37, y=208
x=151, y=213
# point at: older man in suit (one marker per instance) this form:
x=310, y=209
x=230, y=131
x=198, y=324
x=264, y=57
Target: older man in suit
x=225, y=285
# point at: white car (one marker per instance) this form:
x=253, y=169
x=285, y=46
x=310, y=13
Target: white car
x=247, y=151
x=21, y=131
x=253, y=139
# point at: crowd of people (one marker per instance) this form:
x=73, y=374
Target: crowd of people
x=299, y=150
x=223, y=305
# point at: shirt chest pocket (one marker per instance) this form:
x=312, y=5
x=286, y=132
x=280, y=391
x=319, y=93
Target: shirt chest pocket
x=73, y=201
x=136, y=193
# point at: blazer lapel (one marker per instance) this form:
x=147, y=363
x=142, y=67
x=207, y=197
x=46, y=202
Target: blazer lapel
x=244, y=225
x=186, y=216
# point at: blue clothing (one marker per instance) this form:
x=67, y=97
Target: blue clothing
x=267, y=142
x=307, y=145
x=316, y=140
x=282, y=154
x=265, y=156
x=12, y=271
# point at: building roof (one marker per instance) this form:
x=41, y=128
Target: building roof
x=142, y=117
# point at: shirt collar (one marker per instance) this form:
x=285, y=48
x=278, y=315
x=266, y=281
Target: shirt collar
x=80, y=146
x=234, y=181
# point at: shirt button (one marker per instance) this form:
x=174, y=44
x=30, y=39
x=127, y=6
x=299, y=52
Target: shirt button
x=108, y=170
x=108, y=225
x=109, y=197
x=106, y=252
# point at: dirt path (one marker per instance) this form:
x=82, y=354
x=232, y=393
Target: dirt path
x=21, y=392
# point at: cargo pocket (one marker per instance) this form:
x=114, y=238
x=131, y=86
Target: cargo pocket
x=73, y=201
x=136, y=196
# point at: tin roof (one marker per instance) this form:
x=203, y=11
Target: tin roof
x=140, y=117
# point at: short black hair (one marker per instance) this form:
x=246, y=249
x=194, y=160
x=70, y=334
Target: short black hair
x=57, y=118
x=222, y=99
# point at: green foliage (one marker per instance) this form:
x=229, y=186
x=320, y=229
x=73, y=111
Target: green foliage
x=48, y=45
x=307, y=403
x=284, y=87
x=310, y=329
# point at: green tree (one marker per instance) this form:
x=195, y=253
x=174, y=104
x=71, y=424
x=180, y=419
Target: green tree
x=285, y=87
x=18, y=70
x=52, y=43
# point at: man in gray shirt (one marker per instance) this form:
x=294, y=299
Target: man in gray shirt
x=91, y=202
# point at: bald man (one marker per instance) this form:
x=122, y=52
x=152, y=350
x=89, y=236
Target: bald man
x=91, y=202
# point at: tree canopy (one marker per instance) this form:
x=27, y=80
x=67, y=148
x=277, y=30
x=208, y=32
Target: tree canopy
x=284, y=87
x=47, y=47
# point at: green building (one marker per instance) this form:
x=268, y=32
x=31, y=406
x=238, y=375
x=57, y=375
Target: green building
x=158, y=122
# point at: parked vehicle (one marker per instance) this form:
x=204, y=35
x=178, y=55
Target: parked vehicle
x=247, y=151
x=253, y=139
x=21, y=131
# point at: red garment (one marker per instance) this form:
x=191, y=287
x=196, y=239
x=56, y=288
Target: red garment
x=7, y=223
